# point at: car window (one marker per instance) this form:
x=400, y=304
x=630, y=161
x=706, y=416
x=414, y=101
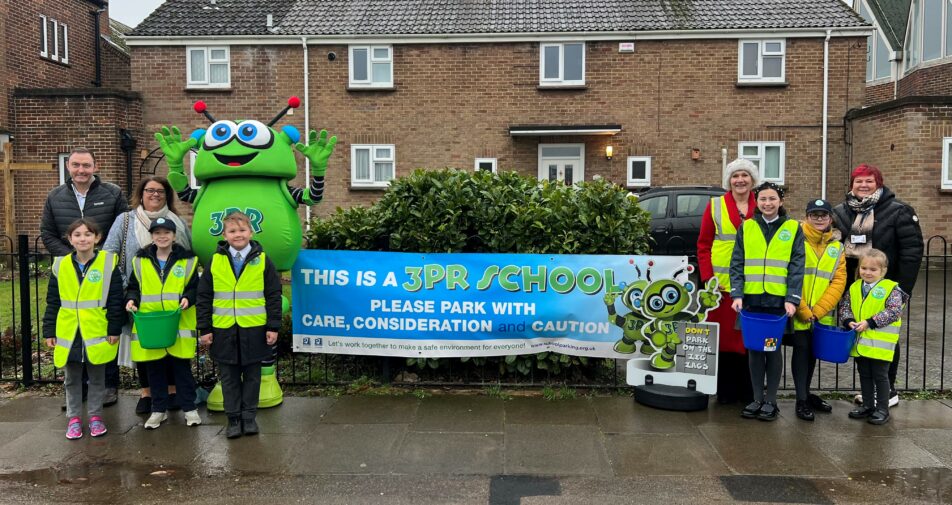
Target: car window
x=691, y=205
x=656, y=206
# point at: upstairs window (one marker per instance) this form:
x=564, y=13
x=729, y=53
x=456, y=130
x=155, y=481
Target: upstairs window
x=562, y=64
x=929, y=34
x=768, y=156
x=208, y=67
x=761, y=61
x=371, y=66
x=371, y=166
x=54, y=40
x=877, y=49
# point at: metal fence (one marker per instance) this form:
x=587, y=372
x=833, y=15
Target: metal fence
x=24, y=273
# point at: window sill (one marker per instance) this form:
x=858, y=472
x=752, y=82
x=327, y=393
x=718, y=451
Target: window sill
x=371, y=88
x=945, y=190
x=208, y=89
x=368, y=187
x=767, y=84
x=561, y=87
x=55, y=62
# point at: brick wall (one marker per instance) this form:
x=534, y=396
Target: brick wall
x=453, y=103
x=934, y=80
x=906, y=144
x=50, y=125
x=116, y=69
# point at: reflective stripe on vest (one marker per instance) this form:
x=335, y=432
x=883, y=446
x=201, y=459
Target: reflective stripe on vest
x=879, y=343
x=159, y=295
x=817, y=274
x=765, y=265
x=238, y=301
x=725, y=234
x=83, y=308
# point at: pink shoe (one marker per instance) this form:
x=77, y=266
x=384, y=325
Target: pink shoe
x=74, y=429
x=97, y=428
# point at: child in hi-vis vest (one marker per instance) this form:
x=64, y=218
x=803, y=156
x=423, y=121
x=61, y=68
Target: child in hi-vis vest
x=164, y=279
x=873, y=307
x=83, y=320
x=239, y=315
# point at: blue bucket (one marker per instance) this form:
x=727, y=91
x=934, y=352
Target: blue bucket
x=762, y=332
x=831, y=343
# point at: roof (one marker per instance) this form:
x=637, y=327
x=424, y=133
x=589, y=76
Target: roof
x=893, y=17
x=179, y=18
x=117, y=34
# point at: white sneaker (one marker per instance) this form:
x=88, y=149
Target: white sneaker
x=192, y=418
x=894, y=399
x=155, y=420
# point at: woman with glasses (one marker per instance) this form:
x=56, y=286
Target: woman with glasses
x=152, y=199
x=824, y=281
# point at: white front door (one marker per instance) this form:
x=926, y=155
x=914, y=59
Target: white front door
x=562, y=162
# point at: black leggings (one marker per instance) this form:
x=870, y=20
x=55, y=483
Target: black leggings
x=802, y=361
x=143, y=372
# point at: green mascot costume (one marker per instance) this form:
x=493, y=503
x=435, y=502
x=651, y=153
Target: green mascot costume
x=246, y=166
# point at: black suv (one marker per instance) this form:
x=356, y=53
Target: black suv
x=676, y=213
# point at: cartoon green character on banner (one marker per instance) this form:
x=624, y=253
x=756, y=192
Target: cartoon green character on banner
x=245, y=166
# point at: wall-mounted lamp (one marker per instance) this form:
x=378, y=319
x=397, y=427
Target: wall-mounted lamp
x=609, y=150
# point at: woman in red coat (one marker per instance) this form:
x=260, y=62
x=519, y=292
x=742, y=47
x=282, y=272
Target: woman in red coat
x=722, y=218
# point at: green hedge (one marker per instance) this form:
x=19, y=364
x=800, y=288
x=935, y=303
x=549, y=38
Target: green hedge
x=462, y=211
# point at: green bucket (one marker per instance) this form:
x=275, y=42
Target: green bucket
x=157, y=330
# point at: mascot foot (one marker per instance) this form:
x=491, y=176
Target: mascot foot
x=270, y=394
x=623, y=347
x=647, y=349
x=658, y=362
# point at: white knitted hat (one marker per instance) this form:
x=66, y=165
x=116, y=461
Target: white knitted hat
x=741, y=165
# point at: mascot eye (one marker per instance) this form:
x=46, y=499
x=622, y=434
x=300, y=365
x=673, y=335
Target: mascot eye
x=219, y=133
x=655, y=303
x=635, y=294
x=254, y=134
x=670, y=294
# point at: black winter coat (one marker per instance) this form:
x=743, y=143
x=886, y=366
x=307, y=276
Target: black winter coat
x=134, y=290
x=237, y=345
x=104, y=202
x=115, y=310
x=896, y=232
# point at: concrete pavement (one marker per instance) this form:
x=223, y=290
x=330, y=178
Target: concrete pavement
x=475, y=449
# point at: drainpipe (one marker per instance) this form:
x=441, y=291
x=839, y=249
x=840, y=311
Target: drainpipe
x=97, y=47
x=826, y=101
x=307, y=130
x=723, y=162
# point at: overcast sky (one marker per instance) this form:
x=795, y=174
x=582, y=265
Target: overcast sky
x=132, y=12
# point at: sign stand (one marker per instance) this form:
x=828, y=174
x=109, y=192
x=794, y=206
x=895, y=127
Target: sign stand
x=662, y=396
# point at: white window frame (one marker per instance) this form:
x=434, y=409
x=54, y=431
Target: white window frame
x=872, y=50
x=560, y=80
x=917, y=46
x=371, y=59
x=638, y=183
x=485, y=160
x=63, y=172
x=192, y=181
x=947, y=163
x=55, y=55
x=760, y=158
x=45, y=53
x=206, y=52
x=374, y=158
x=65, y=58
x=761, y=43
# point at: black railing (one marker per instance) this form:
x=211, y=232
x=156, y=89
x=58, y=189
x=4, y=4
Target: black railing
x=24, y=358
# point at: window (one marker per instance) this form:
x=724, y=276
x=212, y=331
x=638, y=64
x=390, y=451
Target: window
x=371, y=66
x=639, y=171
x=657, y=207
x=877, y=50
x=691, y=205
x=947, y=163
x=768, y=156
x=932, y=29
x=63, y=172
x=54, y=40
x=208, y=67
x=487, y=164
x=371, y=166
x=562, y=64
x=761, y=61
x=192, y=181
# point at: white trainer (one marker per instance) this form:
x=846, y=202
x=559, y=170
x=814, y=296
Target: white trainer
x=192, y=418
x=155, y=420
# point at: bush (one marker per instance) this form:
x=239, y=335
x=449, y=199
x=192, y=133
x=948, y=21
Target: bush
x=456, y=211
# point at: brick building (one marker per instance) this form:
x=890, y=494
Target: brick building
x=66, y=83
x=543, y=88
x=905, y=124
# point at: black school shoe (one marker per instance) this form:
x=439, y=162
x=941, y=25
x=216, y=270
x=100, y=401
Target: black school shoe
x=233, y=430
x=751, y=410
x=249, y=426
x=819, y=404
x=769, y=412
x=111, y=397
x=879, y=417
x=861, y=412
x=144, y=405
x=804, y=411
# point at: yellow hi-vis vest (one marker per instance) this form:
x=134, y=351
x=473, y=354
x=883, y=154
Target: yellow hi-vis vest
x=765, y=265
x=879, y=343
x=238, y=301
x=723, y=246
x=83, y=308
x=817, y=275
x=158, y=296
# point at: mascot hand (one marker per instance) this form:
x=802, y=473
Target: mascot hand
x=318, y=151
x=175, y=149
x=610, y=298
x=710, y=297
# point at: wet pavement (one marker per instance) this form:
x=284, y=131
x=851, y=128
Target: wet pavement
x=475, y=449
